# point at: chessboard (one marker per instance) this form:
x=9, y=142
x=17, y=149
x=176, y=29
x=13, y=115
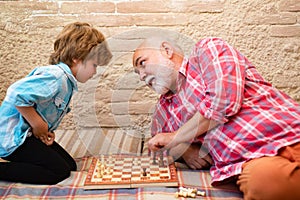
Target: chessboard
x=129, y=171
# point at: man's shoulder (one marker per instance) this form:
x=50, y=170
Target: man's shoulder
x=210, y=40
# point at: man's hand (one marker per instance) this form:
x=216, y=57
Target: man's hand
x=193, y=155
x=190, y=130
x=196, y=157
x=162, y=141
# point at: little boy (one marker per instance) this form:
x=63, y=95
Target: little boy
x=35, y=105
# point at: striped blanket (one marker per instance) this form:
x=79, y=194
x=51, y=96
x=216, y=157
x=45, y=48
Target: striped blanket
x=72, y=187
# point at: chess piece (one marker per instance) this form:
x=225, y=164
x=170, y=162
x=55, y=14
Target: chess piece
x=135, y=161
x=144, y=172
x=161, y=159
x=189, y=192
x=154, y=158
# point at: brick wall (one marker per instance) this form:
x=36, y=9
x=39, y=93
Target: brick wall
x=268, y=32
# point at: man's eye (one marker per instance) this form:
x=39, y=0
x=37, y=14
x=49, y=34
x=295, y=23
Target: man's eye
x=95, y=65
x=142, y=63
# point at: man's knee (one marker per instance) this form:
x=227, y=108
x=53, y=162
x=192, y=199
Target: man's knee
x=270, y=178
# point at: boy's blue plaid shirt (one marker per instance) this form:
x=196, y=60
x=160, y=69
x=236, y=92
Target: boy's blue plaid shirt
x=48, y=89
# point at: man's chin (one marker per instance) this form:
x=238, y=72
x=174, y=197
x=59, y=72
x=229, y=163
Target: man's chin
x=161, y=91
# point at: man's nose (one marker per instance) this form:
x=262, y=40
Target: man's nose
x=142, y=75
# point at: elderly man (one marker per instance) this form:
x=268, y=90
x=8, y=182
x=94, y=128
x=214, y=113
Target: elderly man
x=218, y=98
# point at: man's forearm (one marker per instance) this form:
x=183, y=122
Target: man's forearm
x=193, y=128
x=177, y=151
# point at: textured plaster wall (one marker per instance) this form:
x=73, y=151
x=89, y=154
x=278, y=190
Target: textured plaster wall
x=267, y=32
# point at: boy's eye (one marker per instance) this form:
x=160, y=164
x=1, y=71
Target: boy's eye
x=95, y=65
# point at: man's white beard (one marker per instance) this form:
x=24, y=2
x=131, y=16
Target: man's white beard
x=161, y=85
x=162, y=80
x=158, y=85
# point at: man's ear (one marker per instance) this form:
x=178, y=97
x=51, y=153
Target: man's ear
x=167, y=49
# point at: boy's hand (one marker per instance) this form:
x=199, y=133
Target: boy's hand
x=40, y=131
x=38, y=125
x=47, y=138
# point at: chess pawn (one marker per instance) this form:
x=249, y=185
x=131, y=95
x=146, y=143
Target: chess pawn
x=180, y=193
x=144, y=172
x=201, y=193
x=135, y=161
x=99, y=174
x=102, y=158
x=110, y=158
x=102, y=173
x=154, y=158
x=177, y=195
x=192, y=195
x=161, y=159
x=194, y=190
x=111, y=171
x=102, y=167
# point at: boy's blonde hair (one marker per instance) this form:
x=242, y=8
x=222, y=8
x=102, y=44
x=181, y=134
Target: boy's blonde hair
x=80, y=41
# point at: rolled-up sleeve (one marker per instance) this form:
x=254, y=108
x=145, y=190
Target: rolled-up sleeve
x=222, y=71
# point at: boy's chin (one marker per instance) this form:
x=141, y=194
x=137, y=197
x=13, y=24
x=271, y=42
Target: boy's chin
x=81, y=81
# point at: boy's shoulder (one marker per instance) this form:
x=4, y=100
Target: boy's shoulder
x=59, y=71
x=53, y=70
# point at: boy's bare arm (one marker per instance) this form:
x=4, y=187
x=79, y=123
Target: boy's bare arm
x=38, y=125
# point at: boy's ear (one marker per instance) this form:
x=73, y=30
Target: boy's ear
x=75, y=61
x=167, y=49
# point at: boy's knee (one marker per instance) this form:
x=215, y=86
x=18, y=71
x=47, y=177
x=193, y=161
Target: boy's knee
x=59, y=176
x=73, y=166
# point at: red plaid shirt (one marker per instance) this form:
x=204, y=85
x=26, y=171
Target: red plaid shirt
x=219, y=82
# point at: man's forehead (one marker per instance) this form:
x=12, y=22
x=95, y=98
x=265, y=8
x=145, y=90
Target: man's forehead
x=139, y=52
x=136, y=52
x=142, y=51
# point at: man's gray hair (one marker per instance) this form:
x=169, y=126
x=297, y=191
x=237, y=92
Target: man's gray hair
x=155, y=42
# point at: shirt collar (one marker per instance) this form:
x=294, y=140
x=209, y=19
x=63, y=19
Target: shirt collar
x=69, y=74
x=183, y=67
